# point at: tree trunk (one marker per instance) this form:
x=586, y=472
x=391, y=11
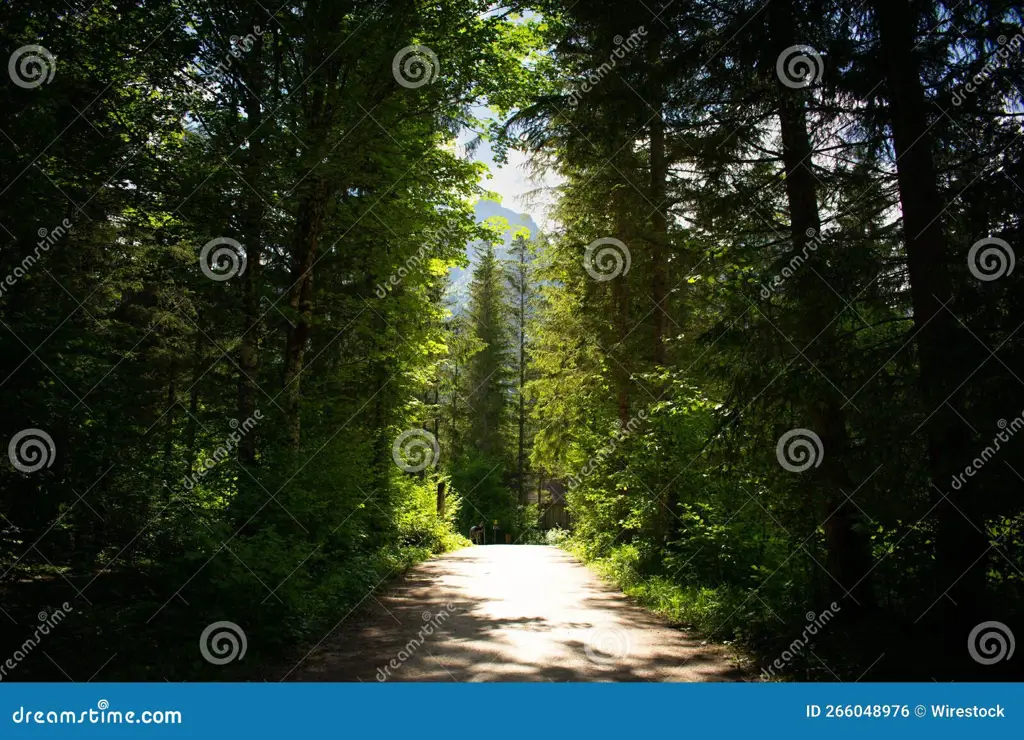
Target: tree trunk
x=960, y=547
x=523, y=286
x=620, y=300
x=848, y=554
x=308, y=230
x=169, y=438
x=440, y=499
x=248, y=360
x=191, y=428
x=659, y=235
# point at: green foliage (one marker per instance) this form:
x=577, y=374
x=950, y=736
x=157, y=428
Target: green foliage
x=224, y=448
x=556, y=537
x=487, y=496
x=166, y=126
x=781, y=263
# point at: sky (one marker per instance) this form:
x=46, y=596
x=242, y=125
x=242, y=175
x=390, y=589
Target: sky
x=512, y=181
x=519, y=204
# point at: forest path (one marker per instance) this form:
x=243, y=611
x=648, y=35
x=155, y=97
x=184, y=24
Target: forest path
x=508, y=613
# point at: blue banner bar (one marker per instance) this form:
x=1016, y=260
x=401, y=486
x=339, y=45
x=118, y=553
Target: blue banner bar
x=510, y=710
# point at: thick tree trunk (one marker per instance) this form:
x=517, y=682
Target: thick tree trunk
x=657, y=190
x=191, y=427
x=961, y=544
x=456, y=434
x=379, y=421
x=620, y=295
x=659, y=278
x=848, y=555
x=169, y=438
x=441, y=499
x=248, y=360
x=308, y=230
x=522, y=442
x=622, y=330
x=319, y=109
x=659, y=236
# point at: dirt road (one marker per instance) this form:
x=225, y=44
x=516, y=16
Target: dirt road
x=508, y=613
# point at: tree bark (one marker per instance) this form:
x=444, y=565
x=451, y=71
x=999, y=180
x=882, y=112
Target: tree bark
x=522, y=289
x=659, y=235
x=440, y=499
x=960, y=547
x=848, y=553
x=308, y=231
x=191, y=427
x=620, y=301
x=248, y=359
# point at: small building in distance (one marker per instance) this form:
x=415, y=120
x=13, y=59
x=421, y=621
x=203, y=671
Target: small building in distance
x=550, y=501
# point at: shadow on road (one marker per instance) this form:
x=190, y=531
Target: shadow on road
x=493, y=613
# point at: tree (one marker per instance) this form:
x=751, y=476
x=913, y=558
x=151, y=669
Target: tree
x=490, y=369
x=521, y=289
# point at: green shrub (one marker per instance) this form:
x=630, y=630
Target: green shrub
x=556, y=536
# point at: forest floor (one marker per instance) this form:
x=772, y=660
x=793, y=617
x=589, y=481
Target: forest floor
x=507, y=613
